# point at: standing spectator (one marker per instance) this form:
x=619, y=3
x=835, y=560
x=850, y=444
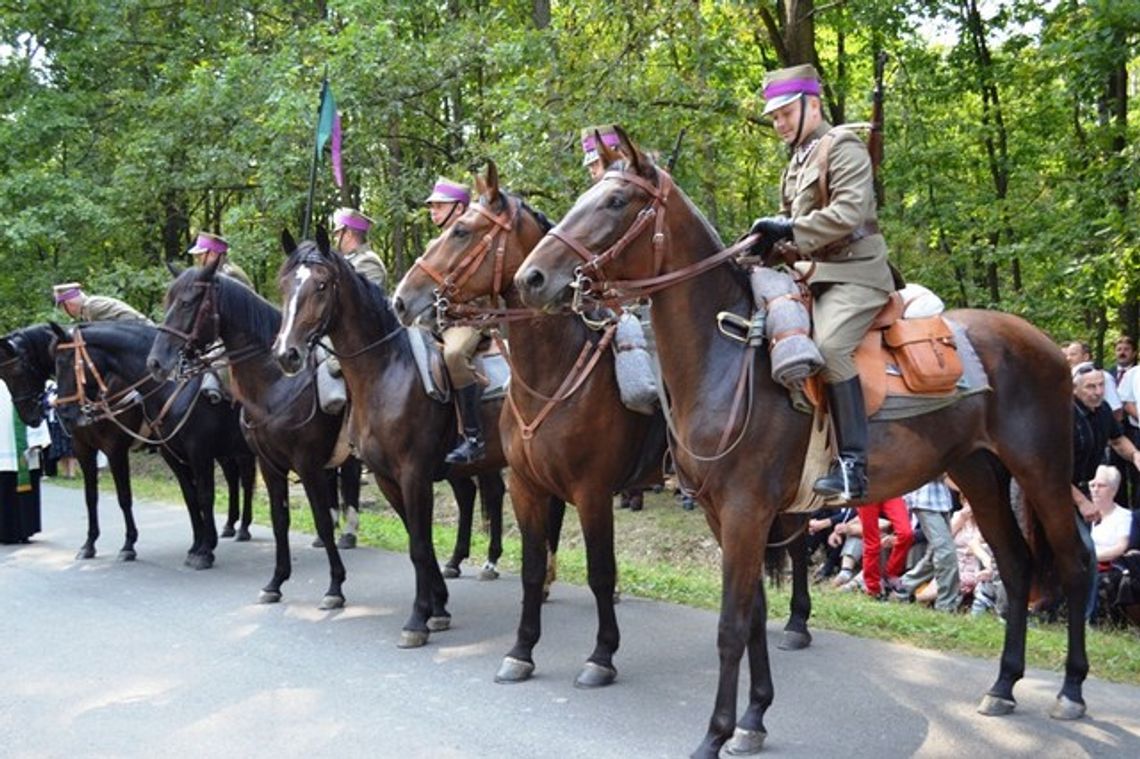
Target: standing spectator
x=1077, y=353
x=931, y=504
x=1125, y=351
x=894, y=510
x=20, y=448
x=1129, y=493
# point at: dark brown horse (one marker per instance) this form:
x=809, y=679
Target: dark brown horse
x=396, y=428
x=635, y=232
x=101, y=372
x=281, y=416
x=26, y=363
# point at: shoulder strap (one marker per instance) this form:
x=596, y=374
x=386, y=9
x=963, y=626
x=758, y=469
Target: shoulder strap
x=822, y=154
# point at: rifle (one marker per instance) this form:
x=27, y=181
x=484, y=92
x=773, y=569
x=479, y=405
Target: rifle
x=676, y=151
x=875, y=143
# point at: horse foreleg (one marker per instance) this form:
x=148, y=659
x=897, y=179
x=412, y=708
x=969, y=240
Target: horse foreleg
x=349, y=475
x=248, y=471
x=320, y=488
x=121, y=472
x=203, y=477
x=89, y=465
x=231, y=473
x=556, y=513
x=277, y=486
x=744, y=531
x=595, y=511
x=748, y=738
x=532, y=510
x=185, y=478
x=491, y=491
x=796, y=633
x=464, y=490
x=429, y=610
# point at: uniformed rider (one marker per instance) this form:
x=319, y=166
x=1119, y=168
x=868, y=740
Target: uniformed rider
x=93, y=308
x=830, y=222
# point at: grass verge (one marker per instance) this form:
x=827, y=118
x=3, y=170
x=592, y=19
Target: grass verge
x=668, y=554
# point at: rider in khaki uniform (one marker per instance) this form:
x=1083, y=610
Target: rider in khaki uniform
x=208, y=248
x=93, y=308
x=592, y=158
x=447, y=202
x=833, y=225
x=350, y=238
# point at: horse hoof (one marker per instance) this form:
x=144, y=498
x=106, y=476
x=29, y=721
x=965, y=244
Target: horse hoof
x=1067, y=709
x=794, y=640
x=450, y=572
x=488, y=572
x=514, y=670
x=87, y=552
x=127, y=554
x=617, y=596
x=439, y=624
x=347, y=540
x=745, y=742
x=595, y=676
x=227, y=532
x=243, y=536
x=318, y=543
x=331, y=602
x=269, y=596
x=202, y=561
x=412, y=639
x=995, y=706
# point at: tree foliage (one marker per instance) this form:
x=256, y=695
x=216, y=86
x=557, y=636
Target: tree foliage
x=1011, y=158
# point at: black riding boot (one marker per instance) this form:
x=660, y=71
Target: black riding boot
x=471, y=448
x=848, y=475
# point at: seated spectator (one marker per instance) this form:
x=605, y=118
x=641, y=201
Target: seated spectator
x=1111, y=530
x=820, y=527
x=895, y=511
x=975, y=561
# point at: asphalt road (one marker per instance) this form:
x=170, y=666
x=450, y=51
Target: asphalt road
x=109, y=659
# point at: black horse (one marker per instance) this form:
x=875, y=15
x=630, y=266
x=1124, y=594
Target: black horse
x=101, y=373
x=26, y=364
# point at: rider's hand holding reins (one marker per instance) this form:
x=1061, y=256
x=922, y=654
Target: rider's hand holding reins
x=769, y=230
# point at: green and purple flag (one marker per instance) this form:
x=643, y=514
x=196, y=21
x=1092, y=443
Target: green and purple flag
x=328, y=127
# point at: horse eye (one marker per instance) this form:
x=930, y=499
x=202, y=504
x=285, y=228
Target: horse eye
x=616, y=201
x=460, y=231
x=320, y=286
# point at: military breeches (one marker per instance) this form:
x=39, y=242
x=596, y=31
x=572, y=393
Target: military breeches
x=459, y=345
x=842, y=315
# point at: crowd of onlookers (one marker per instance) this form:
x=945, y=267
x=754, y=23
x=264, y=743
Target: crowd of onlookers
x=926, y=546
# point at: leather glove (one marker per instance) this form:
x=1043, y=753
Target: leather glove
x=771, y=229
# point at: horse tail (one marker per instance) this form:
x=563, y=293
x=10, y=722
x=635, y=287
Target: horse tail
x=1045, y=584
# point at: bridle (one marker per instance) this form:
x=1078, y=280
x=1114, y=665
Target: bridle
x=20, y=361
x=204, y=331
x=590, y=280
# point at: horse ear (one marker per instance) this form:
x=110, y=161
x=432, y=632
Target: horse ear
x=58, y=331
x=6, y=347
x=288, y=244
x=607, y=154
x=210, y=269
x=638, y=163
x=323, y=240
x=492, y=181
x=174, y=269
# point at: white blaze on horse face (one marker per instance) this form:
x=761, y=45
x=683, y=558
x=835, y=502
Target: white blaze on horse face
x=301, y=276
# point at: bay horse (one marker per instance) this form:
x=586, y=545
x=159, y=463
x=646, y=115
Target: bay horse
x=747, y=472
x=397, y=429
x=26, y=364
x=101, y=372
x=580, y=446
x=280, y=417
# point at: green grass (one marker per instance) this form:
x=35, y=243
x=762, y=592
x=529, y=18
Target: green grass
x=668, y=554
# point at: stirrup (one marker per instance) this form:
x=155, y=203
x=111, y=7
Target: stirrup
x=853, y=487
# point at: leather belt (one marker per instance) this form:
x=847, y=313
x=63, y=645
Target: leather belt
x=864, y=230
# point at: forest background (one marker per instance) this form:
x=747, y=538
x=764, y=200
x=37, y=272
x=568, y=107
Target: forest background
x=1011, y=161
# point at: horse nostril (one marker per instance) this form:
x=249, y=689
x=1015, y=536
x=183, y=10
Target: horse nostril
x=399, y=305
x=535, y=279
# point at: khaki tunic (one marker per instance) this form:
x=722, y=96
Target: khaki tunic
x=233, y=271
x=857, y=279
x=101, y=308
x=368, y=264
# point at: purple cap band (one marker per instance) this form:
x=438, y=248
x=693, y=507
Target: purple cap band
x=65, y=295
x=609, y=139
x=457, y=194
x=212, y=244
x=791, y=87
x=352, y=221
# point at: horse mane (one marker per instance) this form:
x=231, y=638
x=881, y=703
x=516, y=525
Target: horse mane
x=39, y=338
x=254, y=313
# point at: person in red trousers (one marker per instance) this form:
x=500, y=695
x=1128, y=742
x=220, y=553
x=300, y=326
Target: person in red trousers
x=894, y=510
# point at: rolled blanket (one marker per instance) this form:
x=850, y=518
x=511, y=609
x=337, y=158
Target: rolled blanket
x=794, y=355
x=634, y=366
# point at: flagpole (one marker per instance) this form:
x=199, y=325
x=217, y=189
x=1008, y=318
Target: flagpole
x=313, y=167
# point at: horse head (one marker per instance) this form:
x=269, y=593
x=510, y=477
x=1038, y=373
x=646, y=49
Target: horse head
x=308, y=283
x=191, y=321
x=70, y=388
x=477, y=256
x=608, y=234
x=25, y=379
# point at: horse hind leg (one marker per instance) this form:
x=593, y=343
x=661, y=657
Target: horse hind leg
x=349, y=473
x=491, y=491
x=230, y=472
x=121, y=473
x=797, y=636
x=464, y=490
x=985, y=483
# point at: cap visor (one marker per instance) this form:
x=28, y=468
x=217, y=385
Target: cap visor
x=779, y=102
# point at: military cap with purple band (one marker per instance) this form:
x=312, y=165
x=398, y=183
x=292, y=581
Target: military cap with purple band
x=66, y=292
x=590, y=142
x=446, y=191
x=783, y=86
x=209, y=243
x=350, y=218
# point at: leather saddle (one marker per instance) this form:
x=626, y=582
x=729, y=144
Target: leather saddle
x=490, y=365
